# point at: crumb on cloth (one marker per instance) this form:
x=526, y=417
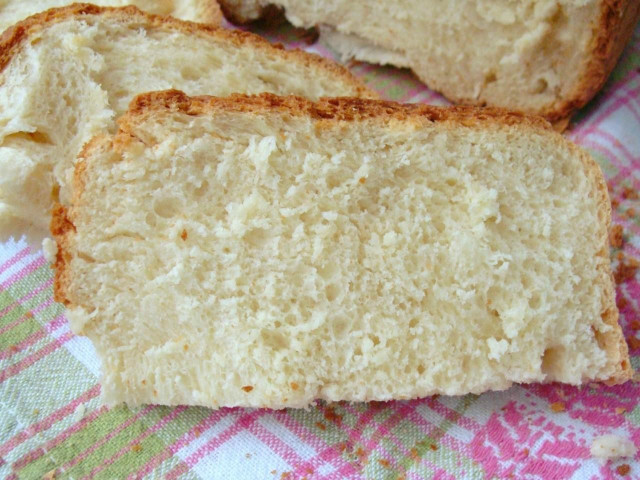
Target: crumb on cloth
x=607, y=447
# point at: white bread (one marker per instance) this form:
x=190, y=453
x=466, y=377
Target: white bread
x=547, y=57
x=204, y=11
x=268, y=251
x=68, y=73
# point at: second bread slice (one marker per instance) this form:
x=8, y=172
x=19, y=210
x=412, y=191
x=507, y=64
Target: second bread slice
x=269, y=251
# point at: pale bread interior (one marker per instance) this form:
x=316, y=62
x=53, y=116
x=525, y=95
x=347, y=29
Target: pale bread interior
x=71, y=79
x=273, y=256
x=204, y=11
x=527, y=55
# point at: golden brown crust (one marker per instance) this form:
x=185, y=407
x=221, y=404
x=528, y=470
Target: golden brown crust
x=336, y=109
x=61, y=229
x=610, y=35
x=13, y=38
x=613, y=341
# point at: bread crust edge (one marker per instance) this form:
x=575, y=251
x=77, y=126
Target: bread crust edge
x=13, y=39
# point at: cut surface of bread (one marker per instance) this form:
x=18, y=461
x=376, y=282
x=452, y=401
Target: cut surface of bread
x=68, y=73
x=546, y=57
x=268, y=252
x=203, y=11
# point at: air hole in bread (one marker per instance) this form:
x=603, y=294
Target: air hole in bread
x=540, y=86
x=332, y=291
x=166, y=207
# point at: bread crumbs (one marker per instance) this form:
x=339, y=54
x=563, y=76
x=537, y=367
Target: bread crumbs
x=136, y=448
x=626, y=270
x=621, y=302
x=634, y=343
x=616, y=236
x=629, y=193
x=247, y=388
x=332, y=416
x=557, y=407
x=321, y=426
x=384, y=463
x=620, y=410
x=623, y=469
x=50, y=475
x=184, y=235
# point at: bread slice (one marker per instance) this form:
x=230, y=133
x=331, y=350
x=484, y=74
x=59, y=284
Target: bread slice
x=544, y=57
x=204, y=11
x=68, y=73
x=267, y=252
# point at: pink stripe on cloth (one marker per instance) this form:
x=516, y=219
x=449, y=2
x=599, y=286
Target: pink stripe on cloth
x=34, y=338
x=617, y=144
x=16, y=277
x=185, y=439
x=33, y=358
x=37, y=453
x=46, y=423
x=451, y=415
x=329, y=455
x=620, y=97
x=242, y=423
x=23, y=299
x=166, y=419
x=278, y=446
x=356, y=434
x=308, y=437
x=15, y=259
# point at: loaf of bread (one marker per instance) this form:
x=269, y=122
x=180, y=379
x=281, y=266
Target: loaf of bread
x=204, y=11
x=268, y=251
x=68, y=73
x=546, y=57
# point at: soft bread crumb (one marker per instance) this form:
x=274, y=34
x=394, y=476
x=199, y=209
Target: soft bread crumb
x=49, y=249
x=299, y=281
x=79, y=412
x=607, y=447
x=112, y=55
x=545, y=56
x=203, y=11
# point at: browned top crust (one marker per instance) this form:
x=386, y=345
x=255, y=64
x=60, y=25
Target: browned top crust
x=342, y=109
x=13, y=38
x=610, y=35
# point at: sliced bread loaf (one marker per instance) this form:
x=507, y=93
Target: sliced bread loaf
x=546, y=57
x=68, y=73
x=204, y=11
x=267, y=251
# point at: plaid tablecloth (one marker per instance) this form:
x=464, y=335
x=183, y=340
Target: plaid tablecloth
x=53, y=425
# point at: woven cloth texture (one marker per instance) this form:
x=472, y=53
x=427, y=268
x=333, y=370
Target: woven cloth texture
x=52, y=423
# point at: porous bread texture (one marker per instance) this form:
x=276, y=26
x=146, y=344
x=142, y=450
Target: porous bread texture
x=547, y=57
x=204, y=11
x=68, y=73
x=268, y=252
